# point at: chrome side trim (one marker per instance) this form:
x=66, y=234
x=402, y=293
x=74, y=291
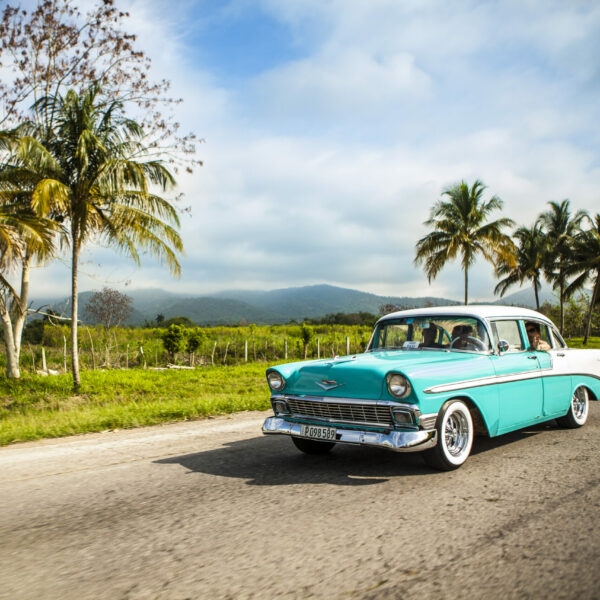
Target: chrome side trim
x=398, y=441
x=593, y=375
x=498, y=379
x=493, y=380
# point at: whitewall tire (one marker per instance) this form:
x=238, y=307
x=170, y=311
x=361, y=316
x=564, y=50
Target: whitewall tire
x=454, y=427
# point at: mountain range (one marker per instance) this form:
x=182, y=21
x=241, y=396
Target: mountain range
x=268, y=307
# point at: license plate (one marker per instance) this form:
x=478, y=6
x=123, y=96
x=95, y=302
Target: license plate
x=318, y=433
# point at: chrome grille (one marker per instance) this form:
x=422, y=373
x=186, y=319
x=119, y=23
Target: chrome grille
x=338, y=411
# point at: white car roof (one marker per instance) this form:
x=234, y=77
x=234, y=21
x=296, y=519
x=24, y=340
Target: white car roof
x=482, y=311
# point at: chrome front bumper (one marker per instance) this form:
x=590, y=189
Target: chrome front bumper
x=399, y=441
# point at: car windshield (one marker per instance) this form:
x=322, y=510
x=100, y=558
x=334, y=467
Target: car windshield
x=463, y=334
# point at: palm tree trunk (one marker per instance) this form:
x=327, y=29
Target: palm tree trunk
x=20, y=313
x=12, y=364
x=593, y=301
x=74, y=307
x=466, y=285
x=535, y=291
x=562, y=305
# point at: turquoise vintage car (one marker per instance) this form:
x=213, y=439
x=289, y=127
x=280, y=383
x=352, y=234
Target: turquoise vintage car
x=431, y=379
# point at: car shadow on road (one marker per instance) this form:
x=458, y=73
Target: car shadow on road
x=484, y=444
x=275, y=461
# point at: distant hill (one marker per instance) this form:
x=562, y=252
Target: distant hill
x=526, y=298
x=231, y=307
x=319, y=300
x=271, y=307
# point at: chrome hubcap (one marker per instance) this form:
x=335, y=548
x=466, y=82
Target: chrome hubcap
x=456, y=434
x=579, y=403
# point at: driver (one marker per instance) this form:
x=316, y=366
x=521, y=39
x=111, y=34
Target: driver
x=460, y=337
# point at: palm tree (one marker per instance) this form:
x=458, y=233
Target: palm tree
x=20, y=171
x=530, y=259
x=561, y=229
x=461, y=227
x=22, y=234
x=98, y=181
x=586, y=263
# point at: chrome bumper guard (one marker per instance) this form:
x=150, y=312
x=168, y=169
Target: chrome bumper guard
x=399, y=441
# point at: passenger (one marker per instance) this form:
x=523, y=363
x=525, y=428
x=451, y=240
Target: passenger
x=429, y=336
x=535, y=336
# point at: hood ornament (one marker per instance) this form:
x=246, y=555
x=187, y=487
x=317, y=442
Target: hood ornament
x=328, y=384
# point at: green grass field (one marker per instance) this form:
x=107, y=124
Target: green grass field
x=593, y=342
x=44, y=407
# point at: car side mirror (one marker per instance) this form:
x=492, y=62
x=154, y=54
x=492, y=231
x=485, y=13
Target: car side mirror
x=503, y=346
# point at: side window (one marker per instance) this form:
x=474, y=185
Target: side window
x=558, y=341
x=545, y=335
x=510, y=332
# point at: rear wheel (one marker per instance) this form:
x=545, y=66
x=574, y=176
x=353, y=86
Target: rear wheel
x=312, y=446
x=578, y=411
x=454, y=427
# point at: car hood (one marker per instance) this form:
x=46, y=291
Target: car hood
x=363, y=375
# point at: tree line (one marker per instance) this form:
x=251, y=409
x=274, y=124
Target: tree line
x=560, y=246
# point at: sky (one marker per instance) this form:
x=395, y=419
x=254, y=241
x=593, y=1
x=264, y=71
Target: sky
x=331, y=127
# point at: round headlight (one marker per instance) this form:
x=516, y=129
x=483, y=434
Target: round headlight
x=398, y=385
x=275, y=380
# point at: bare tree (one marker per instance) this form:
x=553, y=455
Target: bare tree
x=54, y=48
x=386, y=309
x=109, y=307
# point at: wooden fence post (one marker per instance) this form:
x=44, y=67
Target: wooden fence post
x=245, y=350
x=347, y=345
x=285, y=348
x=44, y=365
x=118, y=360
x=65, y=353
x=318, y=348
x=212, y=356
x=92, y=348
x=225, y=355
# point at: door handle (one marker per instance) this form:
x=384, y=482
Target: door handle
x=560, y=354
x=532, y=357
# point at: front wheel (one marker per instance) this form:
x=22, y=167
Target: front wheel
x=312, y=446
x=578, y=410
x=454, y=427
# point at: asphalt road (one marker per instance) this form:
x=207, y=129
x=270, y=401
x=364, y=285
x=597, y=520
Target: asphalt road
x=213, y=509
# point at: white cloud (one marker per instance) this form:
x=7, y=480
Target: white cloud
x=322, y=169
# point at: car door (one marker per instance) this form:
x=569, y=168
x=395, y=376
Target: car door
x=555, y=370
x=520, y=388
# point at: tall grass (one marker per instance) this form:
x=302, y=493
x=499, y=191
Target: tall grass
x=123, y=347
x=42, y=407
